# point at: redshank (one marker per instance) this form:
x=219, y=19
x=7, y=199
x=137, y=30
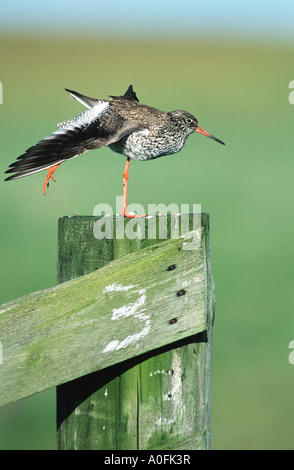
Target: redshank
x=137, y=131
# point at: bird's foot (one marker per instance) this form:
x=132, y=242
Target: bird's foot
x=131, y=215
x=49, y=175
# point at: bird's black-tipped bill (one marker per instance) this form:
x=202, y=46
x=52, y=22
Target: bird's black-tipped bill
x=203, y=132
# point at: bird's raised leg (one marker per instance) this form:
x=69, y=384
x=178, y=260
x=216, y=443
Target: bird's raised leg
x=125, y=192
x=49, y=175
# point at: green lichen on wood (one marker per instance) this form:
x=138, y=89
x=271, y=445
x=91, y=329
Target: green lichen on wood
x=56, y=335
x=161, y=399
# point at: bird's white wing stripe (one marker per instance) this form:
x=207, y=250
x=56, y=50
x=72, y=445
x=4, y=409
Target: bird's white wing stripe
x=85, y=118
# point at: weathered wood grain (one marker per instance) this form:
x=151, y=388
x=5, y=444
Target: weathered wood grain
x=118, y=312
x=159, y=399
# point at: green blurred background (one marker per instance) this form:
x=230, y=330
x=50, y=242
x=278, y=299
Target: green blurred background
x=237, y=85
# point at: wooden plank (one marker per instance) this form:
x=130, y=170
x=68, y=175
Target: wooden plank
x=158, y=400
x=56, y=335
x=177, y=411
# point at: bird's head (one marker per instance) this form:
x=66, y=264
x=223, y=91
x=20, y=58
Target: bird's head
x=189, y=123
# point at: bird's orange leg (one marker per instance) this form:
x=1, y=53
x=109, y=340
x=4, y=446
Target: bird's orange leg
x=125, y=192
x=50, y=173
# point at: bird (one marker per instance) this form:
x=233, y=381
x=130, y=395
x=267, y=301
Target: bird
x=134, y=130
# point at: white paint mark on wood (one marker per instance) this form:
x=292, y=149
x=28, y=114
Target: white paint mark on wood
x=176, y=390
x=129, y=309
x=117, y=288
x=165, y=372
x=174, y=395
x=164, y=421
x=134, y=309
x=111, y=346
x=132, y=338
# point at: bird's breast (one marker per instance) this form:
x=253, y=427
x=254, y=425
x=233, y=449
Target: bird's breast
x=144, y=145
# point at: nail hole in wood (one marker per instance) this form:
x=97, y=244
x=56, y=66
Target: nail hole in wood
x=171, y=267
x=181, y=292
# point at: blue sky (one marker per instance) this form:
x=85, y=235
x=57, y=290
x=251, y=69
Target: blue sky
x=271, y=19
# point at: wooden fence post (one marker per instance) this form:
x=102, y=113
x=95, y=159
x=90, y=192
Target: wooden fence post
x=158, y=400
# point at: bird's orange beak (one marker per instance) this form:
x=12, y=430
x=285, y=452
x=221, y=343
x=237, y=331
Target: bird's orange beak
x=203, y=132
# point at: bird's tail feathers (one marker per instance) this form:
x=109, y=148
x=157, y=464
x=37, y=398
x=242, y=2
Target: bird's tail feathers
x=84, y=100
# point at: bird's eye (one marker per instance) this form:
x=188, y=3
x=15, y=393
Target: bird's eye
x=189, y=120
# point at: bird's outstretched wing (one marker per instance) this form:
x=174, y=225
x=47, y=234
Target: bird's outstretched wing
x=92, y=129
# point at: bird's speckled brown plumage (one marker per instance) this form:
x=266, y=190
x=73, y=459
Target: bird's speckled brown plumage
x=127, y=127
